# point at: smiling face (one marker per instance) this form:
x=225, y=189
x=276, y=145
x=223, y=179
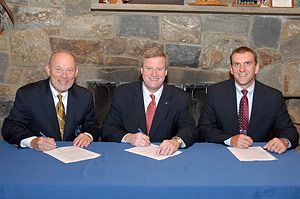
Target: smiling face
x=244, y=68
x=154, y=72
x=62, y=71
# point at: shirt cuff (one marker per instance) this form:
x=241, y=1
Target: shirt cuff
x=182, y=142
x=89, y=135
x=26, y=142
x=227, y=142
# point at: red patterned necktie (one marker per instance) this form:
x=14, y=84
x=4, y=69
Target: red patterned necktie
x=244, y=112
x=150, y=113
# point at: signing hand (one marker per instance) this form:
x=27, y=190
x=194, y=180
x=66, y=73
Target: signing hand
x=82, y=140
x=137, y=139
x=43, y=144
x=276, y=145
x=167, y=147
x=241, y=141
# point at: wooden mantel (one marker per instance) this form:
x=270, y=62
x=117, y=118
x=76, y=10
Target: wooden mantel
x=158, y=8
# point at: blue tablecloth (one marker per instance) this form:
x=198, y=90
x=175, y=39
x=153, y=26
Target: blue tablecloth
x=201, y=171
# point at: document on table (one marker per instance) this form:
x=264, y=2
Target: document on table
x=255, y=153
x=150, y=151
x=70, y=154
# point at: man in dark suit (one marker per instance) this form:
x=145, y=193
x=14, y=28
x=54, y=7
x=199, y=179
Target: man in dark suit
x=266, y=111
x=34, y=112
x=130, y=111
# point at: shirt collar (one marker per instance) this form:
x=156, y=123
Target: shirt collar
x=55, y=92
x=250, y=89
x=147, y=93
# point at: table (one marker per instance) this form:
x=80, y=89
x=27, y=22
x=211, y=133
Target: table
x=204, y=170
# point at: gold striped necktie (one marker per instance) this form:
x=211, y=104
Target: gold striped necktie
x=60, y=112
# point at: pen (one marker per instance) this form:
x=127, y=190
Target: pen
x=42, y=134
x=244, y=132
x=141, y=131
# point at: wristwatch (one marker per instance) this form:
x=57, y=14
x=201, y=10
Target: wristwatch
x=178, y=141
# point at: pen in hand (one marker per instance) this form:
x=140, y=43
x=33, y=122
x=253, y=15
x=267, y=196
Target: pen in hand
x=141, y=131
x=243, y=132
x=42, y=134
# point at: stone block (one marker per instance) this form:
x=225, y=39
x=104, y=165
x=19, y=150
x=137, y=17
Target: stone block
x=115, y=46
x=89, y=25
x=272, y=75
x=139, y=26
x=5, y=107
x=138, y=47
x=183, y=56
x=34, y=75
x=52, y=31
x=86, y=52
x=3, y=65
x=195, y=76
x=293, y=106
x=3, y=42
x=46, y=3
x=28, y=16
x=227, y=24
x=267, y=56
x=108, y=74
x=222, y=46
x=185, y=29
x=15, y=75
x=291, y=47
x=7, y=91
x=121, y=61
x=291, y=81
x=29, y=47
x=290, y=30
x=266, y=32
x=76, y=6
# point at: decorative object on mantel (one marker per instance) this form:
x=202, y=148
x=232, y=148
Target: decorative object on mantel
x=248, y=3
x=208, y=3
x=282, y=3
x=4, y=8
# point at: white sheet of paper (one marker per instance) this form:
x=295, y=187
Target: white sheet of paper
x=70, y=154
x=255, y=153
x=150, y=151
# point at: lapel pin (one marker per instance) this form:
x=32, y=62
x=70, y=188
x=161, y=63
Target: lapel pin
x=166, y=102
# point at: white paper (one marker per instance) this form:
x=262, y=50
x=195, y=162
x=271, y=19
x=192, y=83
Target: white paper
x=256, y=153
x=150, y=151
x=70, y=154
x=282, y=3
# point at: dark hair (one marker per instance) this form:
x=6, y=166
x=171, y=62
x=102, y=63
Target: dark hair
x=154, y=52
x=243, y=49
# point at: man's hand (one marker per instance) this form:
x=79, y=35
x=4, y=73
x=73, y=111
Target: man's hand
x=241, y=141
x=43, y=144
x=277, y=145
x=137, y=139
x=82, y=140
x=167, y=147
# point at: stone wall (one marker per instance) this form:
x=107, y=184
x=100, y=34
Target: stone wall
x=108, y=45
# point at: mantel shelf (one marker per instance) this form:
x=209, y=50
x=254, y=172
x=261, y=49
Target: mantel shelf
x=158, y=8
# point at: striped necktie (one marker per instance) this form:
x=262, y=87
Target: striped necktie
x=60, y=112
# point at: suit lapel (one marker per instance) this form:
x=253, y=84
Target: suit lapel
x=49, y=109
x=161, y=110
x=71, y=111
x=231, y=108
x=257, y=106
x=138, y=100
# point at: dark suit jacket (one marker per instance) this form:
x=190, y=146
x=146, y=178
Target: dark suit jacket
x=127, y=114
x=219, y=117
x=34, y=112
